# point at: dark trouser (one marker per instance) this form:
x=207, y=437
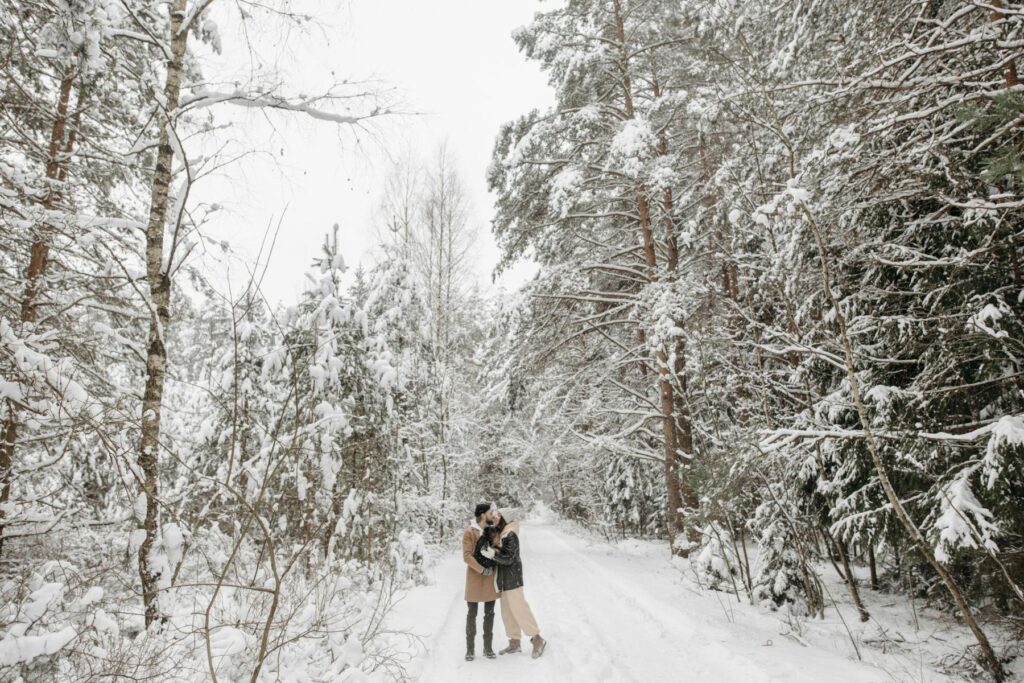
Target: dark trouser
x=488, y=625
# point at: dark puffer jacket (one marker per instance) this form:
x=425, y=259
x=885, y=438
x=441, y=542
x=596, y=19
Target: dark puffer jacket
x=510, y=566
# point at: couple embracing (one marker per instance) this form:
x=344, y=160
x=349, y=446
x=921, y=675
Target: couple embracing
x=494, y=570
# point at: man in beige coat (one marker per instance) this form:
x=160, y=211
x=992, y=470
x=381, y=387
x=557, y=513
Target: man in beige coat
x=479, y=583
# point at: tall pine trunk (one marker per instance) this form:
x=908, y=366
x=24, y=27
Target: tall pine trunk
x=683, y=474
x=673, y=486
x=159, y=279
x=670, y=436
x=62, y=143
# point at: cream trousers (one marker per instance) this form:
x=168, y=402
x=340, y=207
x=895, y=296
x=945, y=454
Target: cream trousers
x=517, y=615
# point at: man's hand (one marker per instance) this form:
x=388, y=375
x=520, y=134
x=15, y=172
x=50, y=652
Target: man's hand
x=487, y=571
x=488, y=553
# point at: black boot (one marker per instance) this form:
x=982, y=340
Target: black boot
x=489, y=630
x=470, y=631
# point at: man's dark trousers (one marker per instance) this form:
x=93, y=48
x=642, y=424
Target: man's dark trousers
x=488, y=625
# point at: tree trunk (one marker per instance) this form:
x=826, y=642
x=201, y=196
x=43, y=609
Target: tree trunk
x=680, y=407
x=159, y=279
x=673, y=485
x=674, y=502
x=730, y=276
x=1010, y=72
x=684, y=444
x=851, y=581
x=10, y=435
x=62, y=143
x=872, y=567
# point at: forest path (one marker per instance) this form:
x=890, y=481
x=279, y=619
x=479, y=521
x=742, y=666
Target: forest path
x=612, y=613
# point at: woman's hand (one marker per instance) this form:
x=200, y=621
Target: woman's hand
x=488, y=552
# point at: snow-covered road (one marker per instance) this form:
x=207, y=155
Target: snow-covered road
x=614, y=613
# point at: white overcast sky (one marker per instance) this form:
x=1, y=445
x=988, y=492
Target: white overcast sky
x=451, y=61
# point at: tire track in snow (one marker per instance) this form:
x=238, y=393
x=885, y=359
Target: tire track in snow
x=652, y=639
x=434, y=653
x=576, y=646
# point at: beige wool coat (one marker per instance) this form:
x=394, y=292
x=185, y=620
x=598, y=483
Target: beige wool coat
x=479, y=588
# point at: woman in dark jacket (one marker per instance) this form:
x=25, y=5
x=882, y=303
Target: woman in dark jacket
x=515, y=611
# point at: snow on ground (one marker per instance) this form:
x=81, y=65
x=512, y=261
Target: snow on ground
x=622, y=612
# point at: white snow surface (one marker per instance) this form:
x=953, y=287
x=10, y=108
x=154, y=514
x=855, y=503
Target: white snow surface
x=622, y=612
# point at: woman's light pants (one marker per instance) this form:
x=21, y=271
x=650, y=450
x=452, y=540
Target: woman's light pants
x=517, y=615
